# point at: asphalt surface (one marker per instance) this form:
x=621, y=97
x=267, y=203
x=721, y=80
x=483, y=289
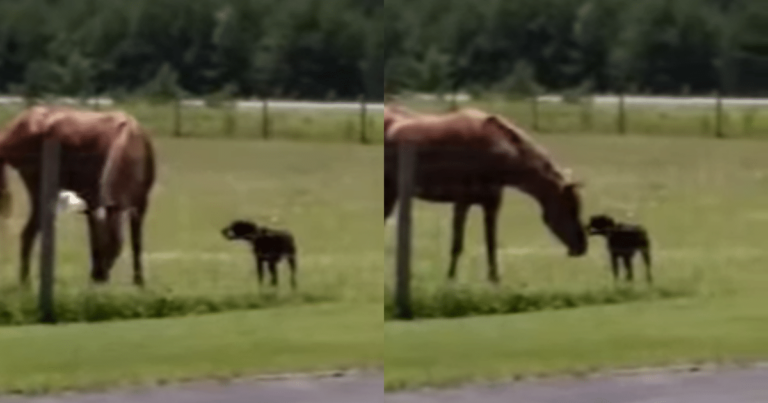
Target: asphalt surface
x=731, y=386
x=722, y=386
x=352, y=389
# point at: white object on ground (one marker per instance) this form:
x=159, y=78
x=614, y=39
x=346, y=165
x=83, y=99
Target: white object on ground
x=69, y=202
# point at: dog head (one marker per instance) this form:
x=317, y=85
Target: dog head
x=600, y=224
x=240, y=229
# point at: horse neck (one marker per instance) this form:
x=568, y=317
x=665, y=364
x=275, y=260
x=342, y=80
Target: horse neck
x=544, y=188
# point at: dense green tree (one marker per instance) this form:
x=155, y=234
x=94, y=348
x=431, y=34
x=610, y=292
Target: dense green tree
x=297, y=48
x=655, y=46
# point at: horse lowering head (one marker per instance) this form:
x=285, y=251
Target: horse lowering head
x=535, y=173
x=562, y=214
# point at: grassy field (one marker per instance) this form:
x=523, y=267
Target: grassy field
x=204, y=184
x=585, y=118
x=326, y=192
x=41, y=359
x=705, y=202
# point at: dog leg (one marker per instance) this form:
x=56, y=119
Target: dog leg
x=615, y=266
x=646, y=254
x=260, y=270
x=294, y=268
x=628, y=265
x=272, y=265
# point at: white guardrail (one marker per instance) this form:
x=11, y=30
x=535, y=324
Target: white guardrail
x=241, y=104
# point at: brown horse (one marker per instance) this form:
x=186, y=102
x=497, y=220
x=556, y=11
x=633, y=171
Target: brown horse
x=106, y=159
x=466, y=158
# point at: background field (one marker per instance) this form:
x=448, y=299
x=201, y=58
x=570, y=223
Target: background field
x=583, y=114
x=327, y=192
x=223, y=121
x=704, y=202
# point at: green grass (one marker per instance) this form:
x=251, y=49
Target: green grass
x=220, y=122
x=705, y=202
x=582, y=118
x=38, y=359
x=327, y=194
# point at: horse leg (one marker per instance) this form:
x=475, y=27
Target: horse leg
x=114, y=238
x=459, y=220
x=491, y=215
x=95, y=235
x=390, y=196
x=137, y=229
x=28, y=236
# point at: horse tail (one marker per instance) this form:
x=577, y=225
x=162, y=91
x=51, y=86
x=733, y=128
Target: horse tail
x=120, y=175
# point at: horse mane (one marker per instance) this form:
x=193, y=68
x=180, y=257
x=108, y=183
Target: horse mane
x=523, y=141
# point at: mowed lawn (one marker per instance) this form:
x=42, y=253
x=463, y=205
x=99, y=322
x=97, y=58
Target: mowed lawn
x=705, y=203
x=328, y=195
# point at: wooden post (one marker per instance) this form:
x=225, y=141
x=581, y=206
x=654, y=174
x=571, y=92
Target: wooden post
x=719, y=133
x=230, y=117
x=535, y=111
x=265, y=118
x=177, y=116
x=622, y=120
x=406, y=173
x=49, y=190
x=363, y=121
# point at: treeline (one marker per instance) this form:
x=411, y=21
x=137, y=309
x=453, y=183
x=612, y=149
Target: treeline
x=311, y=49
x=521, y=46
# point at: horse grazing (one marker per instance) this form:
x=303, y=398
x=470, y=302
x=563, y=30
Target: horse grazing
x=466, y=158
x=106, y=159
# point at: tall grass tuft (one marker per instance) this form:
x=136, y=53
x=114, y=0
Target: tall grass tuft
x=19, y=307
x=458, y=301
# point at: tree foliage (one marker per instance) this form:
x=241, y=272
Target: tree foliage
x=299, y=48
x=652, y=46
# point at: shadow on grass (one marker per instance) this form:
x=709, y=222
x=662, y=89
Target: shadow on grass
x=459, y=301
x=19, y=307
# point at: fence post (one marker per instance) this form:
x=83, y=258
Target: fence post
x=230, y=117
x=265, y=118
x=363, y=120
x=719, y=115
x=177, y=116
x=406, y=172
x=49, y=190
x=622, y=120
x=535, y=111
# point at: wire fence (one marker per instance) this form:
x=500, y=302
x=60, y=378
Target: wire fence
x=711, y=116
x=358, y=122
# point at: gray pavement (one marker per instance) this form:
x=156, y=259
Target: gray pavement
x=351, y=389
x=721, y=386
x=725, y=386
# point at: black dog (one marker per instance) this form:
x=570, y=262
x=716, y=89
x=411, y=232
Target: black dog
x=623, y=240
x=269, y=247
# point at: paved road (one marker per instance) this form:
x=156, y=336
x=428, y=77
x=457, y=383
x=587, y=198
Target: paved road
x=353, y=389
x=732, y=386
x=724, y=386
